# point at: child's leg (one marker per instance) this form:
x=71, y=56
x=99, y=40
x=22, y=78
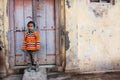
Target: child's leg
x=35, y=57
x=29, y=60
x=36, y=61
x=28, y=57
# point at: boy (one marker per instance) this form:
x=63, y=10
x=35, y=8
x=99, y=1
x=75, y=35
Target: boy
x=31, y=44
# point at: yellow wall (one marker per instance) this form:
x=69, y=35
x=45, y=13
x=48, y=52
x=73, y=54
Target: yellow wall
x=94, y=34
x=3, y=37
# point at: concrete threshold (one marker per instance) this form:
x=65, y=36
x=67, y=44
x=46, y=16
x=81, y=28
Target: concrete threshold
x=41, y=66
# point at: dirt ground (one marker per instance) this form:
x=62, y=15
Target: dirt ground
x=73, y=76
x=100, y=76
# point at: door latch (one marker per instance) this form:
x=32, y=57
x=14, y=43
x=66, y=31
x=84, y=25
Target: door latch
x=18, y=30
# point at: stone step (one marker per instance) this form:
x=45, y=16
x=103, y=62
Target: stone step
x=40, y=75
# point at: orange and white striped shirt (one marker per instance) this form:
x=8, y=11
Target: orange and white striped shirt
x=31, y=41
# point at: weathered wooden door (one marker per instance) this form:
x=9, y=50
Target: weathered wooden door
x=43, y=13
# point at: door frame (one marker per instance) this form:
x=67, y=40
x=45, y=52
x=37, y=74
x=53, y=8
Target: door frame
x=57, y=35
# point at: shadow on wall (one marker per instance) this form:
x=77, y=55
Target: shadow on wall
x=67, y=41
x=2, y=61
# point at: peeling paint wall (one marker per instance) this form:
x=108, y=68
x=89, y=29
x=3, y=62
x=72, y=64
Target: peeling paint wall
x=94, y=33
x=3, y=37
x=72, y=30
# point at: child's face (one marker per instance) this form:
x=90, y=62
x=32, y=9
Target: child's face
x=31, y=26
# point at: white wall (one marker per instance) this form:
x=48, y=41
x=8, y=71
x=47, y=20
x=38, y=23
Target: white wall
x=94, y=34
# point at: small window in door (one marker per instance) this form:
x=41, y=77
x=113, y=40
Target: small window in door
x=94, y=0
x=104, y=1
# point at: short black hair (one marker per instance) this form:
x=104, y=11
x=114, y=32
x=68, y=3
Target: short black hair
x=31, y=22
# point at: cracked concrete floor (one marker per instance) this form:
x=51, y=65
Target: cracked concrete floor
x=73, y=76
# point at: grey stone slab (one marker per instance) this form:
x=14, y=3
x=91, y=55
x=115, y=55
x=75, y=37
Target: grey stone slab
x=40, y=75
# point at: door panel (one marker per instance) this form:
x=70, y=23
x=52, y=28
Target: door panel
x=41, y=19
x=19, y=24
x=27, y=11
x=50, y=25
x=27, y=15
x=11, y=41
x=44, y=16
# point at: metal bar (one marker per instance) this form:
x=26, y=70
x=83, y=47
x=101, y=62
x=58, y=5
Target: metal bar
x=51, y=54
x=18, y=55
x=18, y=30
x=48, y=29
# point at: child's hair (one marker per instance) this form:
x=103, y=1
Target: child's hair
x=31, y=22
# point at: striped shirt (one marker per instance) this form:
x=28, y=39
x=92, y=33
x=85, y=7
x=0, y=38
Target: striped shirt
x=31, y=41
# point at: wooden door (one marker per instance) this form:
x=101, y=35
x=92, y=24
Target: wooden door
x=46, y=26
x=43, y=13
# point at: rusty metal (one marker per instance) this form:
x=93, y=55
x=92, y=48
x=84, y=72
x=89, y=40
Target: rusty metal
x=18, y=55
x=51, y=54
x=18, y=30
x=38, y=16
x=48, y=28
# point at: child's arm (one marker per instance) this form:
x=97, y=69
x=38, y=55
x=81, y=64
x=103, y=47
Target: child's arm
x=24, y=43
x=37, y=41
